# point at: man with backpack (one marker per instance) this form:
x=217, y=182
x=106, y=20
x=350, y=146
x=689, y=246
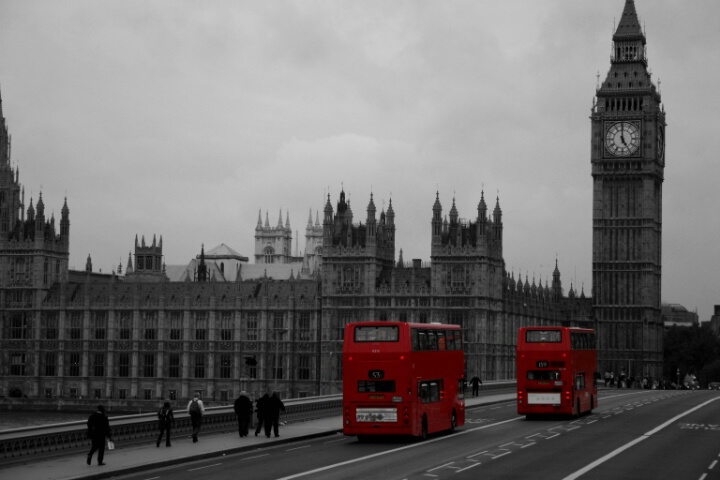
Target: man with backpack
x=166, y=420
x=196, y=409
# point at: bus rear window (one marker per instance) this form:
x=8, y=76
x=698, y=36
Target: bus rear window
x=543, y=375
x=543, y=336
x=376, y=334
x=376, y=386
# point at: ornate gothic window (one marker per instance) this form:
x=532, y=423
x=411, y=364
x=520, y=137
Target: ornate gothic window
x=100, y=326
x=174, y=365
x=225, y=365
x=175, y=326
x=269, y=254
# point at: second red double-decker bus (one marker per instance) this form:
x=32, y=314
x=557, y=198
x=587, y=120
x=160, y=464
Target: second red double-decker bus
x=402, y=378
x=556, y=371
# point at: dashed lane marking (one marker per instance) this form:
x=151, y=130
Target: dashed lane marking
x=206, y=466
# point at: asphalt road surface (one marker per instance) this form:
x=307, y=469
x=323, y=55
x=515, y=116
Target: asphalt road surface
x=632, y=434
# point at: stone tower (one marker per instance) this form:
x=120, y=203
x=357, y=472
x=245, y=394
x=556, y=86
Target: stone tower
x=357, y=258
x=313, y=245
x=273, y=244
x=628, y=161
x=33, y=253
x=33, y=258
x=467, y=256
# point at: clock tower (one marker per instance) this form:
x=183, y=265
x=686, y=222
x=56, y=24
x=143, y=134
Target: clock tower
x=628, y=161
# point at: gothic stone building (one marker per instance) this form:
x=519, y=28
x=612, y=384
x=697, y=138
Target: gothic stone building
x=66, y=333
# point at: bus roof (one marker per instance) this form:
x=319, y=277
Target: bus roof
x=434, y=325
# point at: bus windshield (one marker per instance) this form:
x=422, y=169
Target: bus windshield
x=376, y=333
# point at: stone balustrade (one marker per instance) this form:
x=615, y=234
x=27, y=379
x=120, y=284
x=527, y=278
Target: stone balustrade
x=22, y=443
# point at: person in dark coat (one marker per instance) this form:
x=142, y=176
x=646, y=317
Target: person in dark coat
x=272, y=419
x=475, y=382
x=98, y=430
x=243, y=409
x=261, y=406
x=166, y=420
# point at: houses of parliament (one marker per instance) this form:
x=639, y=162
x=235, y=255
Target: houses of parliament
x=220, y=325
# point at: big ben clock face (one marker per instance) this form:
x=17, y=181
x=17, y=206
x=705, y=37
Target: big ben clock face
x=622, y=139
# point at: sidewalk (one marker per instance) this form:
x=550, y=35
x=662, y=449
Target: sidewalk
x=138, y=458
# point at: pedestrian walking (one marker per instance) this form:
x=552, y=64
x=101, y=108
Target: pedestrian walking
x=475, y=382
x=272, y=419
x=98, y=430
x=196, y=409
x=261, y=407
x=166, y=420
x=243, y=409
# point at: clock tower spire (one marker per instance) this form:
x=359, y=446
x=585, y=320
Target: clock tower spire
x=628, y=162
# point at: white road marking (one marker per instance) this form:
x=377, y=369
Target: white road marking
x=386, y=452
x=467, y=468
x=632, y=443
x=256, y=456
x=441, y=466
x=335, y=441
x=206, y=466
x=297, y=448
x=712, y=465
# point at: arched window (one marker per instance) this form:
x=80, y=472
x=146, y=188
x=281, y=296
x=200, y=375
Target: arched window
x=269, y=254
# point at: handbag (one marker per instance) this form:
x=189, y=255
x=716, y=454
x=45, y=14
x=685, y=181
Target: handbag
x=111, y=445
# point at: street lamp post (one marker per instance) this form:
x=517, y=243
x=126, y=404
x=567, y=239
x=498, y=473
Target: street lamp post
x=276, y=333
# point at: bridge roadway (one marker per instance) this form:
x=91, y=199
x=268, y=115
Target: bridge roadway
x=632, y=434
x=137, y=458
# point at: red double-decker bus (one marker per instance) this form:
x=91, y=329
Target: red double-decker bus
x=402, y=378
x=556, y=371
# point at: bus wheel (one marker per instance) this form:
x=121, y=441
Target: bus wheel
x=424, y=432
x=592, y=404
x=453, y=421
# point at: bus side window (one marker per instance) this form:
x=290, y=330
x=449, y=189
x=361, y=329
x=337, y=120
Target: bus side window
x=452, y=340
x=441, y=340
x=432, y=340
x=580, y=381
x=415, y=341
x=422, y=336
x=423, y=392
x=434, y=391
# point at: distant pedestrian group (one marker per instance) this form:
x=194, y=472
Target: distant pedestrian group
x=268, y=410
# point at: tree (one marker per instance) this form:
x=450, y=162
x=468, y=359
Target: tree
x=689, y=349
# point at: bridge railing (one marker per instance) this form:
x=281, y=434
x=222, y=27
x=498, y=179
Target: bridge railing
x=15, y=444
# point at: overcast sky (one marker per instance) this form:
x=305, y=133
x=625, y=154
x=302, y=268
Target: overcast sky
x=186, y=118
